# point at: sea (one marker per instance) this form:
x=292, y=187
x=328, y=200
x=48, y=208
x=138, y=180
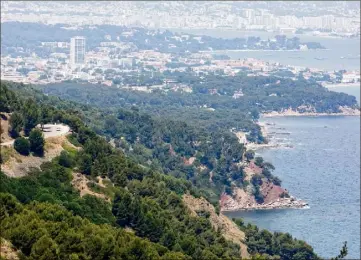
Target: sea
x=340, y=53
x=323, y=165
x=322, y=168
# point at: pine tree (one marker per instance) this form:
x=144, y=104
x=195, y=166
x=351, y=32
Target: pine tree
x=37, y=142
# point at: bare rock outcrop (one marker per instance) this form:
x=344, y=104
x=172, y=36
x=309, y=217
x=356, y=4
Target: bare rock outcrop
x=19, y=165
x=275, y=197
x=272, y=192
x=80, y=182
x=189, y=161
x=7, y=250
x=227, y=227
x=251, y=169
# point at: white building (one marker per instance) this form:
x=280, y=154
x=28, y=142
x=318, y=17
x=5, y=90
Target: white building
x=77, y=51
x=350, y=77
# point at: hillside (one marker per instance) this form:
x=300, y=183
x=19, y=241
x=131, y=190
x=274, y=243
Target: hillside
x=235, y=96
x=58, y=221
x=165, y=145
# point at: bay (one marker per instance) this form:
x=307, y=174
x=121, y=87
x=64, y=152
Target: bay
x=329, y=59
x=323, y=168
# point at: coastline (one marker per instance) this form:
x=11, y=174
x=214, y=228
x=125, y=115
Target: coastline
x=326, y=36
x=310, y=190
x=356, y=84
x=242, y=201
x=281, y=114
x=262, y=50
x=282, y=203
x=345, y=111
x=265, y=134
x=289, y=203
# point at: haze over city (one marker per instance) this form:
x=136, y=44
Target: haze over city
x=180, y=130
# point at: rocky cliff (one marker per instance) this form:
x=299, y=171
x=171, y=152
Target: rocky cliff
x=275, y=197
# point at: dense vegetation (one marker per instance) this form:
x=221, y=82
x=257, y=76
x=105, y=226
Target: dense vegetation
x=147, y=202
x=47, y=231
x=162, y=145
x=44, y=216
x=279, y=245
x=168, y=146
x=266, y=243
x=260, y=94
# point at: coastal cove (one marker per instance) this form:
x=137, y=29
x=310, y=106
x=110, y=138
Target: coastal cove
x=322, y=168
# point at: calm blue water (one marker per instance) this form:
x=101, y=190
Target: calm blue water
x=337, y=48
x=323, y=168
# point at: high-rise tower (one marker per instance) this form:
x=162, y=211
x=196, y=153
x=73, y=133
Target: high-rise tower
x=77, y=51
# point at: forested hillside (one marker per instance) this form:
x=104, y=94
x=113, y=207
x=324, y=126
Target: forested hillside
x=212, y=161
x=215, y=90
x=44, y=216
x=216, y=101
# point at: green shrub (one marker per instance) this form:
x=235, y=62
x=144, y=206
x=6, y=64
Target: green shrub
x=65, y=159
x=37, y=142
x=16, y=123
x=22, y=145
x=249, y=155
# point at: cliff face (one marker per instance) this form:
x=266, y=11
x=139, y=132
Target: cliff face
x=220, y=222
x=275, y=197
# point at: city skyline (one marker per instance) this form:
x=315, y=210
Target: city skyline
x=332, y=17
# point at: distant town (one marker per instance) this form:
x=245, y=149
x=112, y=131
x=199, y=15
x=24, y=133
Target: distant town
x=72, y=62
x=339, y=19
x=127, y=47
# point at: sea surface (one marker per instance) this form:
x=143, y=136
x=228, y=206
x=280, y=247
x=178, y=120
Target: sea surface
x=329, y=59
x=323, y=168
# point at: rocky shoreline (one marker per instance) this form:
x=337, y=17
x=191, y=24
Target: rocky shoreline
x=281, y=203
x=275, y=197
x=345, y=111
